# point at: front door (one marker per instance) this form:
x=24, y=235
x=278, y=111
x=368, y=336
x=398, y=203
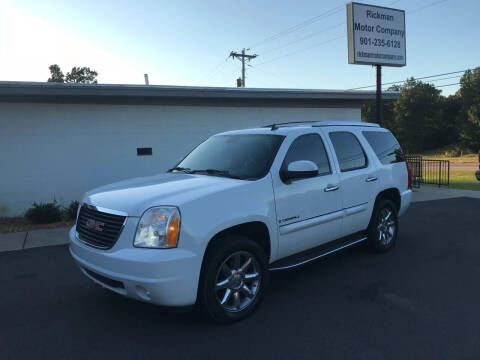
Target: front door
x=308, y=210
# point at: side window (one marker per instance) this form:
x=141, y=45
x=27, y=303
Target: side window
x=385, y=145
x=308, y=147
x=349, y=152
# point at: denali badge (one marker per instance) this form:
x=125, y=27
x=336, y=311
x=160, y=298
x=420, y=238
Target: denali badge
x=95, y=225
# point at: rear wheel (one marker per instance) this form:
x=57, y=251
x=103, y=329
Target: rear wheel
x=234, y=278
x=383, y=228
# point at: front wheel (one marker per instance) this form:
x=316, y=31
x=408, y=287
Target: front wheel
x=383, y=228
x=234, y=278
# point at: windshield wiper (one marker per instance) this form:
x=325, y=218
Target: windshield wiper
x=182, y=169
x=217, y=172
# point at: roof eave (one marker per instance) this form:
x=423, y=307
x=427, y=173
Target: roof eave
x=97, y=92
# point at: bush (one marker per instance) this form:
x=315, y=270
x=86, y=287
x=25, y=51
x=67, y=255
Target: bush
x=70, y=212
x=44, y=213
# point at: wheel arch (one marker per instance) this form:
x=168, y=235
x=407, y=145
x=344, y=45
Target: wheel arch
x=255, y=230
x=392, y=194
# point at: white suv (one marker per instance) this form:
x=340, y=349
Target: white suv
x=241, y=204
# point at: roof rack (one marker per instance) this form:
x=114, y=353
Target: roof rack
x=291, y=123
x=320, y=124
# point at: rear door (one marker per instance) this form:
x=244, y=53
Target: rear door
x=358, y=178
x=308, y=210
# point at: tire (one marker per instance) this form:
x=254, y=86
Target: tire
x=234, y=278
x=382, y=231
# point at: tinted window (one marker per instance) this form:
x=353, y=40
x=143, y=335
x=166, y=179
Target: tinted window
x=349, y=152
x=308, y=147
x=385, y=145
x=244, y=156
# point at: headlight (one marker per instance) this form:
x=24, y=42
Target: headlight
x=159, y=228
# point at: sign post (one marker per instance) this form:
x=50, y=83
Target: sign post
x=378, y=97
x=376, y=36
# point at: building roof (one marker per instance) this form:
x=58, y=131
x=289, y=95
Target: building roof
x=13, y=91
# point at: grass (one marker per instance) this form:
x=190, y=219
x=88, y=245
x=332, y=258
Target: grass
x=469, y=158
x=464, y=179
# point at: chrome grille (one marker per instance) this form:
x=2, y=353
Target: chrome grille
x=98, y=229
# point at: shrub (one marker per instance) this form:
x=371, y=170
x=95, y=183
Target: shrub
x=70, y=212
x=44, y=213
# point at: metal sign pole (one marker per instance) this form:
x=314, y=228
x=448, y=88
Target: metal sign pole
x=379, y=94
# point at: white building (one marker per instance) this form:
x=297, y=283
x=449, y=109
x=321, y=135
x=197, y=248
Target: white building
x=59, y=140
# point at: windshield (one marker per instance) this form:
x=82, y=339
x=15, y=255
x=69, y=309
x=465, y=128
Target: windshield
x=245, y=156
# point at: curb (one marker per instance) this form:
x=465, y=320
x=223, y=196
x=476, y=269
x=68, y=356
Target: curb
x=32, y=239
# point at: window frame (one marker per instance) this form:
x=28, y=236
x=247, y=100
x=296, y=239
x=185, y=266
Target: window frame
x=367, y=160
x=283, y=165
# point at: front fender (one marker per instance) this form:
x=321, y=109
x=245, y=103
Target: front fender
x=203, y=218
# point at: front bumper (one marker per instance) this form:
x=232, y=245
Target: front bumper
x=167, y=277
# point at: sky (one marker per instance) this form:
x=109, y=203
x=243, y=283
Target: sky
x=187, y=42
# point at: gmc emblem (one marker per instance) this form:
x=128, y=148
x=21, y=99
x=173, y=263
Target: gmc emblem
x=95, y=225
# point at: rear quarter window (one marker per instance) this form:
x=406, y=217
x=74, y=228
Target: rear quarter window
x=385, y=146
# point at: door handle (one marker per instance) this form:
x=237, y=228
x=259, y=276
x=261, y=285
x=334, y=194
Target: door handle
x=331, y=188
x=370, y=179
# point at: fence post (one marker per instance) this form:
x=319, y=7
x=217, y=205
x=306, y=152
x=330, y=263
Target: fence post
x=440, y=173
x=448, y=184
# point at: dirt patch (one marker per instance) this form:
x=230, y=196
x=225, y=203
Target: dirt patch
x=17, y=224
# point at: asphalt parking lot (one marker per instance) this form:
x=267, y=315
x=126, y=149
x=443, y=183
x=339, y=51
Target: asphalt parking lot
x=420, y=301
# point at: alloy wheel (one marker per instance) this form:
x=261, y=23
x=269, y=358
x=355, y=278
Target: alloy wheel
x=386, y=227
x=238, y=281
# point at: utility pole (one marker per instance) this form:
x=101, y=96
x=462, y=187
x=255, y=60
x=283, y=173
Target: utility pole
x=242, y=57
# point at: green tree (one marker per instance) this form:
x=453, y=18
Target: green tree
x=56, y=74
x=448, y=130
x=369, y=113
x=82, y=75
x=417, y=114
x=468, y=118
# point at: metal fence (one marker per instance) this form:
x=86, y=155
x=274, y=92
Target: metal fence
x=428, y=171
x=415, y=164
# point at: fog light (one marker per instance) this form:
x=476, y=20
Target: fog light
x=143, y=293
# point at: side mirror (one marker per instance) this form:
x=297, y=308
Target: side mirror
x=477, y=174
x=300, y=169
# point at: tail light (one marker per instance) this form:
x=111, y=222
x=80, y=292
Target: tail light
x=409, y=175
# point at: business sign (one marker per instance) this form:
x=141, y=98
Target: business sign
x=376, y=35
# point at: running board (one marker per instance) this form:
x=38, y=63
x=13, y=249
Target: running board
x=318, y=252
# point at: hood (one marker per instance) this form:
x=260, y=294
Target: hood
x=134, y=196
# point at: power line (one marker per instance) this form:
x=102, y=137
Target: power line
x=281, y=78
x=446, y=78
x=327, y=41
x=299, y=26
x=214, y=71
x=426, y=6
x=416, y=78
x=447, y=85
x=301, y=50
x=303, y=38
x=307, y=22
